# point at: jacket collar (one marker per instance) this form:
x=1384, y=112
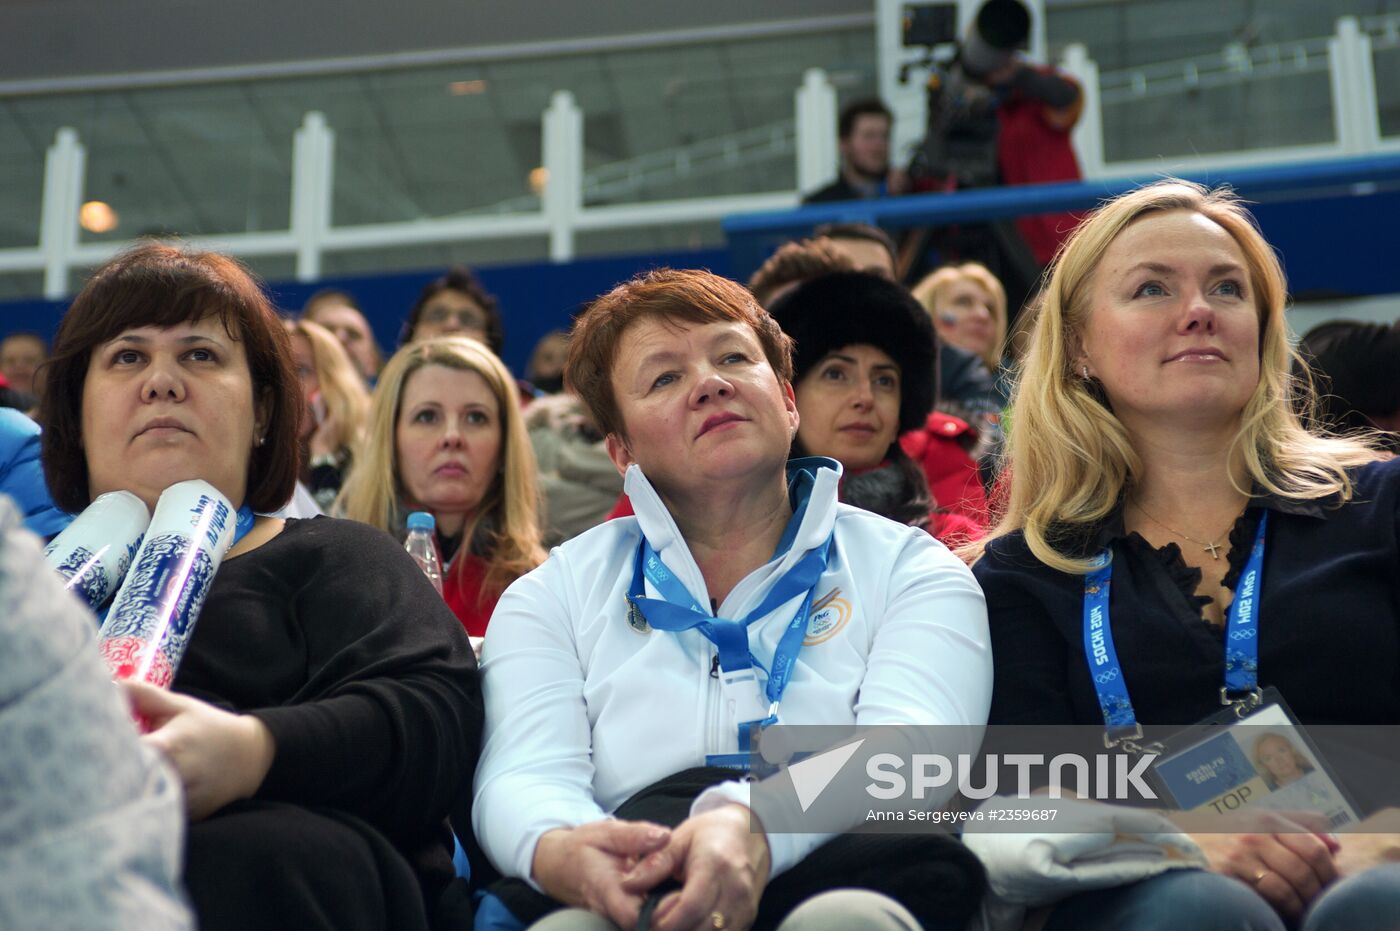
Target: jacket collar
x=812, y=492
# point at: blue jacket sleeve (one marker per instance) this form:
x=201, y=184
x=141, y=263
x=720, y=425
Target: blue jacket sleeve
x=22, y=477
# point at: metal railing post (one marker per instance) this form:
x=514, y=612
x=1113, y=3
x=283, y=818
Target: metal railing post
x=64, y=167
x=313, y=180
x=816, y=131
x=1087, y=134
x=1354, y=114
x=563, y=164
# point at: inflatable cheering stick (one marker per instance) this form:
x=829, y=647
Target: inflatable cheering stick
x=94, y=552
x=154, y=612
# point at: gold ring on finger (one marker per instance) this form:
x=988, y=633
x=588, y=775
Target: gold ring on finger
x=1259, y=876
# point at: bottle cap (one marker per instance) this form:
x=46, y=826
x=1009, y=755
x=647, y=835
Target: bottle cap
x=421, y=520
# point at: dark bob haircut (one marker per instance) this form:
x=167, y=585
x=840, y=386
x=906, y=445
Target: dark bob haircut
x=687, y=296
x=163, y=286
x=463, y=281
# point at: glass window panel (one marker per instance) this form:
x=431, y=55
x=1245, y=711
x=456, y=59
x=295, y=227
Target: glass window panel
x=20, y=286
x=1261, y=113
x=21, y=190
x=1386, y=61
x=412, y=258
x=671, y=237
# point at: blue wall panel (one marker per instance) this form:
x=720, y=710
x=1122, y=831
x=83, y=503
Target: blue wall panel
x=535, y=298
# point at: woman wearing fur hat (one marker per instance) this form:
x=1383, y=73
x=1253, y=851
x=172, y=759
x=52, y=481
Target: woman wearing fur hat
x=864, y=373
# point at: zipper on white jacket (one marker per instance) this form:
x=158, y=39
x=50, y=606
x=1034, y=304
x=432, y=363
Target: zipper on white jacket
x=713, y=704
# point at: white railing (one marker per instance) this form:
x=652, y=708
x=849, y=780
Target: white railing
x=564, y=211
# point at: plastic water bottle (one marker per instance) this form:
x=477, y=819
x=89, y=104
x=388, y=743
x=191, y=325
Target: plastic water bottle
x=423, y=547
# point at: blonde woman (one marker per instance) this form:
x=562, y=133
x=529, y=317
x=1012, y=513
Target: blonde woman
x=446, y=437
x=337, y=409
x=1156, y=422
x=968, y=306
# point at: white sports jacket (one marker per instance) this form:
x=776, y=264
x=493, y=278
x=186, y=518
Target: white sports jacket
x=583, y=711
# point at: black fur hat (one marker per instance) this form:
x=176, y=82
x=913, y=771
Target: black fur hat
x=848, y=308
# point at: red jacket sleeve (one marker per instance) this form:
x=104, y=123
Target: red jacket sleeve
x=953, y=476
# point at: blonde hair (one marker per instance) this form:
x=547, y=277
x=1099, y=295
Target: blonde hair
x=1070, y=458
x=347, y=399
x=927, y=292
x=509, y=508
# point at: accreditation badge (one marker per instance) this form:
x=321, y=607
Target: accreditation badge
x=1251, y=757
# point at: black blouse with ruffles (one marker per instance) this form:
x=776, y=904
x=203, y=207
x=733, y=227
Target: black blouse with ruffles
x=1329, y=617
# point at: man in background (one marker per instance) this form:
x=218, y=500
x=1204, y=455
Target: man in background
x=337, y=311
x=863, y=132
x=21, y=354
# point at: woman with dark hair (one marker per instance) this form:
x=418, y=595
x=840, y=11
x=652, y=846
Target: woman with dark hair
x=455, y=305
x=863, y=372
x=322, y=727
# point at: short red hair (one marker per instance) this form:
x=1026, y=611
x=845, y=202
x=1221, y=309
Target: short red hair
x=680, y=295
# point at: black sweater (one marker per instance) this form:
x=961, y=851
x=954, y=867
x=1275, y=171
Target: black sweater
x=330, y=634
x=1329, y=620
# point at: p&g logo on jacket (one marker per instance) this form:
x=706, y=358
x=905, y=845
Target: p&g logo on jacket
x=830, y=614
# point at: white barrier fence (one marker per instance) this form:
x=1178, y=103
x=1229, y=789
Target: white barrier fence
x=561, y=213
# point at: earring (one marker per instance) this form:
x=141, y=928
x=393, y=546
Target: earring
x=1085, y=370
x=261, y=440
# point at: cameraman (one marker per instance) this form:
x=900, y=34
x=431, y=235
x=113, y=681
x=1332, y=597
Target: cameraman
x=995, y=119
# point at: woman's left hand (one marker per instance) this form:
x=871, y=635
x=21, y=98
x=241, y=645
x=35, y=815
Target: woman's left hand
x=722, y=860
x=221, y=757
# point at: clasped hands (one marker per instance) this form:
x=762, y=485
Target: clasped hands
x=609, y=867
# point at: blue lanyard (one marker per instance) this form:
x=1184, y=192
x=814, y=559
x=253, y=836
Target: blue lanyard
x=242, y=524
x=1241, y=637
x=677, y=610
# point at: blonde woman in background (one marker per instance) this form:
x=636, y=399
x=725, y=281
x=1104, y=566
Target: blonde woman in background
x=337, y=409
x=1157, y=423
x=968, y=306
x=446, y=437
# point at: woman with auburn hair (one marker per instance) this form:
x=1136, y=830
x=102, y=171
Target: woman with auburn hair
x=327, y=709
x=337, y=409
x=968, y=306
x=446, y=437
x=629, y=674
x=1157, y=441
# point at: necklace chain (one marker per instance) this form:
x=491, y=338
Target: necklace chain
x=1213, y=547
